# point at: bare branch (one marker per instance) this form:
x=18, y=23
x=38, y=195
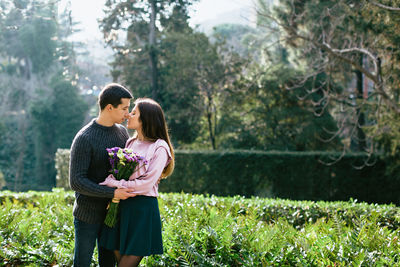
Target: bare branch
x=338, y=54
x=357, y=49
x=384, y=6
x=334, y=160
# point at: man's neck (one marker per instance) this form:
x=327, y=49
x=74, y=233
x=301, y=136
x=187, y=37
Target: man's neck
x=104, y=121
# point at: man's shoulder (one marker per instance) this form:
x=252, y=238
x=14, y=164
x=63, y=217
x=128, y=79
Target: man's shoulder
x=84, y=133
x=85, y=129
x=122, y=129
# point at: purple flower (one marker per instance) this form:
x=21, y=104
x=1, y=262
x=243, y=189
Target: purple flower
x=112, y=162
x=126, y=163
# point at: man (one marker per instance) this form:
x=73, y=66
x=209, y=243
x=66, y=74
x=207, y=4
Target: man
x=89, y=165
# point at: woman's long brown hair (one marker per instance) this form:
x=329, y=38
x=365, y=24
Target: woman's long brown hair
x=154, y=127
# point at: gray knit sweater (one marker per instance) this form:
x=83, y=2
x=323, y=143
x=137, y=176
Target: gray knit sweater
x=89, y=165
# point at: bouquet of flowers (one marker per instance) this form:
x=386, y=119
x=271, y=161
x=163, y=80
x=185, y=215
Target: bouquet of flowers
x=123, y=162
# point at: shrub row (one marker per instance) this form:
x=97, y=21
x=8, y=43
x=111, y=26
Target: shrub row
x=37, y=230
x=296, y=213
x=291, y=175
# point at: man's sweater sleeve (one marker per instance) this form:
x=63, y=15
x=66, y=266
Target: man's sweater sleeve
x=78, y=174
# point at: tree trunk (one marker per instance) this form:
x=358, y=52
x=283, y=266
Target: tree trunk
x=360, y=143
x=153, y=51
x=209, y=120
x=19, y=173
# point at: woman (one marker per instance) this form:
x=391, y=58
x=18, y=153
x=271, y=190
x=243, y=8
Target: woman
x=139, y=231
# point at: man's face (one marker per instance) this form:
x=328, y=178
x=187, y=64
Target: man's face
x=121, y=113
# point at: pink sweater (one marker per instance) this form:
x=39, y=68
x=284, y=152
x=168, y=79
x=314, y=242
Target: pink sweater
x=145, y=180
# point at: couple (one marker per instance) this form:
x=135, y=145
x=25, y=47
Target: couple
x=138, y=232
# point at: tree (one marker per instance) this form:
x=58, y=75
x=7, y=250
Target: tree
x=196, y=75
x=56, y=117
x=33, y=51
x=189, y=67
x=351, y=42
x=27, y=51
x=181, y=98
x=140, y=20
x=28, y=36
x=265, y=115
x=238, y=38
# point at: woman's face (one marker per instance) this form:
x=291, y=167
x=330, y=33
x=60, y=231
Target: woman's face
x=134, y=121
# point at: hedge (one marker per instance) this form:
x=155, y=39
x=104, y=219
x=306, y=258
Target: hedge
x=289, y=175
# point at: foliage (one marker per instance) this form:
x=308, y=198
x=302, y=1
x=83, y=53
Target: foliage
x=144, y=23
x=181, y=97
x=211, y=95
x=56, y=115
x=142, y=61
x=181, y=69
x=61, y=158
x=266, y=114
x=293, y=175
x=265, y=109
x=240, y=38
x=28, y=37
x=197, y=81
x=16, y=157
x=37, y=229
x=354, y=43
x=41, y=108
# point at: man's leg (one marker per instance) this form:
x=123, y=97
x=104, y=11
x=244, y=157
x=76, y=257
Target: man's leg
x=85, y=241
x=106, y=257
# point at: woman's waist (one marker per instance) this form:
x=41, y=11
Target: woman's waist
x=153, y=192
x=139, y=199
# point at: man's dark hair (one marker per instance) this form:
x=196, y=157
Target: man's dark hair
x=112, y=94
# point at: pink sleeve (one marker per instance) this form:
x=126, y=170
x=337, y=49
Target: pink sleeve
x=146, y=182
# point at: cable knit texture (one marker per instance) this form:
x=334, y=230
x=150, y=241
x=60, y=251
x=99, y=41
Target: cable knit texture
x=89, y=165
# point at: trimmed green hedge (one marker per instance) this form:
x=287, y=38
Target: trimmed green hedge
x=291, y=175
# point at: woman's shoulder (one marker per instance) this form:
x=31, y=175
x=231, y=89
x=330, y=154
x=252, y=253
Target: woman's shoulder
x=159, y=143
x=130, y=141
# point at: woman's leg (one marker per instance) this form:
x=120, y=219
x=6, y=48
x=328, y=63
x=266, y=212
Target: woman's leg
x=130, y=261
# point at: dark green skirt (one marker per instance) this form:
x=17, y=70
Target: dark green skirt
x=138, y=231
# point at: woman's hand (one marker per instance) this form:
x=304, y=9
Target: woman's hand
x=110, y=181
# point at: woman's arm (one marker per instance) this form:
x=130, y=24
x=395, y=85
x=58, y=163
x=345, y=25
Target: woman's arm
x=146, y=182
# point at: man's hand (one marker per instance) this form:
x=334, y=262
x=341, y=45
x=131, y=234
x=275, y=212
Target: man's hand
x=123, y=193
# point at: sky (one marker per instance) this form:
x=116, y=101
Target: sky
x=87, y=12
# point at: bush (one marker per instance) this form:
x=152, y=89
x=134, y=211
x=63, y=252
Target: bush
x=291, y=175
x=62, y=167
x=37, y=230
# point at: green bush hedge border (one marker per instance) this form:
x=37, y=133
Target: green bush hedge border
x=288, y=175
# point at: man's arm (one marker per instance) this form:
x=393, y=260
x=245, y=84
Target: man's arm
x=78, y=170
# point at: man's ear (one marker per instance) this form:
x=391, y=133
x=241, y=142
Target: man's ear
x=109, y=107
